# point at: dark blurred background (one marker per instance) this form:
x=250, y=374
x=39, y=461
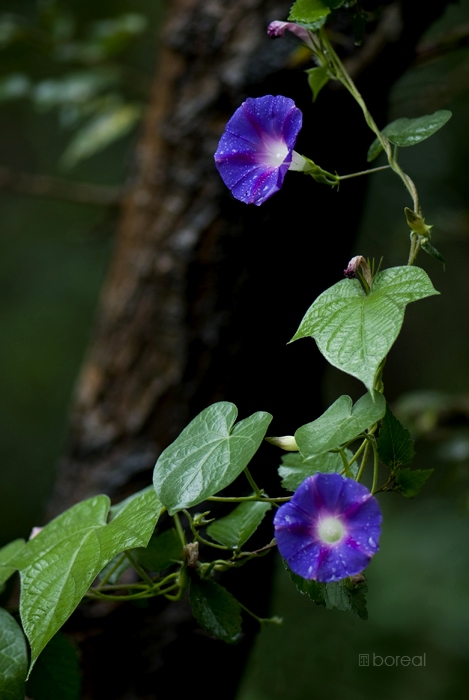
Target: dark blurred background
x=54, y=256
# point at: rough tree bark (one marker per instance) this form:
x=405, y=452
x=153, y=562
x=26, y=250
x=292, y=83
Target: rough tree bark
x=204, y=292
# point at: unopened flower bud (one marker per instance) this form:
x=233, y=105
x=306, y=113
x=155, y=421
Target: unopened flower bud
x=417, y=223
x=277, y=29
x=358, y=263
x=287, y=443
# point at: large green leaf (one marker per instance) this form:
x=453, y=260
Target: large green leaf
x=58, y=566
x=236, y=528
x=355, y=331
x=308, y=11
x=13, y=658
x=341, y=423
x=295, y=469
x=408, y=132
x=7, y=554
x=207, y=456
x=341, y=595
x=216, y=610
x=57, y=672
x=395, y=446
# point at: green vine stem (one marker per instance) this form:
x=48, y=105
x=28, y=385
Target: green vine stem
x=339, y=73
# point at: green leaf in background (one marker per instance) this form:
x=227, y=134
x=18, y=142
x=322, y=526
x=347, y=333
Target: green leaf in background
x=409, y=482
x=317, y=78
x=342, y=595
x=207, y=456
x=408, y=132
x=295, y=469
x=74, y=88
x=14, y=87
x=7, y=554
x=236, y=528
x=395, y=446
x=308, y=11
x=57, y=672
x=100, y=131
x=110, y=36
x=216, y=610
x=433, y=252
x=58, y=566
x=339, y=424
x=355, y=331
x=13, y=658
x=161, y=551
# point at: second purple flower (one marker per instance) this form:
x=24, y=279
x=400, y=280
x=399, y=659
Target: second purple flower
x=256, y=150
x=330, y=529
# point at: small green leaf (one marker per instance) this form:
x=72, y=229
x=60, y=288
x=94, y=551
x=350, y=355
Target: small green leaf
x=13, y=658
x=308, y=11
x=236, y=528
x=342, y=595
x=408, y=132
x=100, y=132
x=57, y=672
x=207, y=456
x=58, y=566
x=295, y=469
x=355, y=331
x=216, y=610
x=7, y=554
x=431, y=250
x=409, y=482
x=161, y=552
x=395, y=446
x=317, y=79
x=341, y=423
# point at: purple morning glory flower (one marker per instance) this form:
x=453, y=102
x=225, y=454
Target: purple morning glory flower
x=330, y=529
x=256, y=150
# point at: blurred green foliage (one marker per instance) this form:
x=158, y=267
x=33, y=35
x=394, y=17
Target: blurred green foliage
x=53, y=254
x=76, y=66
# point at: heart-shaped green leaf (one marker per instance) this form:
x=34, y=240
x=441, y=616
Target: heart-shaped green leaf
x=341, y=423
x=295, y=469
x=58, y=566
x=13, y=658
x=207, y=456
x=408, y=132
x=355, y=331
x=236, y=528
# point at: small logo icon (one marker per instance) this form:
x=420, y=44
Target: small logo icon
x=363, y=659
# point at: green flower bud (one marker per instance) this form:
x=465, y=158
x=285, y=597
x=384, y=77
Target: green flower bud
x=417, y=223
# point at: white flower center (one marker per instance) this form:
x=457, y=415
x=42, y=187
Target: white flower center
x=275, y=152
x=330, y=530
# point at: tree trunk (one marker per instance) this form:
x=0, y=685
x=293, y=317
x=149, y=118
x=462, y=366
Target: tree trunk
x=202, y=296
